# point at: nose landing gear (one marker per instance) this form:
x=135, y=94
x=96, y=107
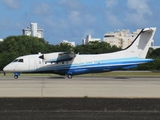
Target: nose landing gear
x=16, y=75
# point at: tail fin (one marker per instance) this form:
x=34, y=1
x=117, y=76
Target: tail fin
x=141, y=44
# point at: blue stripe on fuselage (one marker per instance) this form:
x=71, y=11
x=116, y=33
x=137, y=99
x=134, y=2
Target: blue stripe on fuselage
x=96, y=66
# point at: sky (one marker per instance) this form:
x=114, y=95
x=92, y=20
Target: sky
x=72, y=20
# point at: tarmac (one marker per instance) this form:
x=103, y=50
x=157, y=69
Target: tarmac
x=79, y=109
x=95, y=87
x=87, y=98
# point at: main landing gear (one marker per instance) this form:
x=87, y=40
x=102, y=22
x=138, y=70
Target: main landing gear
x=69, y=76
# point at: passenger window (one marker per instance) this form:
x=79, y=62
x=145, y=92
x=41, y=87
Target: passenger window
x=20, y=60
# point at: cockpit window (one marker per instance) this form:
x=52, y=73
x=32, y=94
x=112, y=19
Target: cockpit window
x=15, y=60
x=18, y=60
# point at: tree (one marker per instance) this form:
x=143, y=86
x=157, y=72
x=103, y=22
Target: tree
x=14, y=46
x=63, y=47
x=155, y=65
x=95, y=47
x=154, y=53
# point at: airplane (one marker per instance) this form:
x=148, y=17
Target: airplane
x=70, y=64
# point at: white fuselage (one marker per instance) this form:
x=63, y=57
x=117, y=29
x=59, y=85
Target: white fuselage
x=70, y=64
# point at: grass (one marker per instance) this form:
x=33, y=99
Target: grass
x=115, y=73
x=30, y=74
x=126, y=73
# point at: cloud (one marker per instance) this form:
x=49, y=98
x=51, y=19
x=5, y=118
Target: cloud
x=71, y=19
x=130, y=12
x=136, y=19
x=71, y=5
x=111, y=14
x=55, y=24
x=42, y=9
x=114, y=21
x=75, y=18
x=73, y=11
x=137, y=13
x=111, y=3
x=140, y=6
x=89, y=19
x=14, y=28
x=76, y=13
x=13, y=4
x=79, y=18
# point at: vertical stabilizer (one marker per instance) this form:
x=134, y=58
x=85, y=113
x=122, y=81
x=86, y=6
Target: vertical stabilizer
x=141, y=44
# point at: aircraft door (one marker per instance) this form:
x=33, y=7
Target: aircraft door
x=31, y=63
x=40, y=62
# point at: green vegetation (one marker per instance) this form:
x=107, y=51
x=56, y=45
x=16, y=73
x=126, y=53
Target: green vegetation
x=153, y=54
x=95, y=48
x=125, y=74
x=105, y=74
x=15, y=46
x=85, y=97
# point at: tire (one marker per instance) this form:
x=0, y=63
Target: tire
x=16, y=76
x=69, y=76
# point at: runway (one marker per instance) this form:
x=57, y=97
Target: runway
x=92, y=87
x=89, y=98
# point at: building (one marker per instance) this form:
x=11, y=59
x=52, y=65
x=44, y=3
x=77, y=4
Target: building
x=33, y=30
x=89, y=39
x=121, y=38
x=71, y=43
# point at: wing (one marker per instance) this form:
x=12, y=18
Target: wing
x=57, y=57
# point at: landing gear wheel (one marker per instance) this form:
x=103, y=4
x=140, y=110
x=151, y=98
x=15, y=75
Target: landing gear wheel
x=69, y=76
x=16, y=76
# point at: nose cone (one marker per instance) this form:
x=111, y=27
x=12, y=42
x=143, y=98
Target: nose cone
x=8, y=68
x=5, y=69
